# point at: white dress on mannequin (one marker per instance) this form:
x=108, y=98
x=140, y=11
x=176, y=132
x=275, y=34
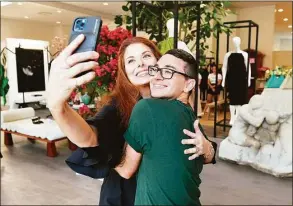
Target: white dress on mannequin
x=234, y=109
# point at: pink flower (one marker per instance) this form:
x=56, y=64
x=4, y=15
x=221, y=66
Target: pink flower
x=100, y=83
x=107, y=68
x=111, y=86
x=108, y=47
x=113, y=74
x=84, y=109
x=73, y=94
x=100, y=71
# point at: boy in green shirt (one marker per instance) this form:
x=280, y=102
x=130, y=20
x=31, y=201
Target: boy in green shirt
x=154, y=136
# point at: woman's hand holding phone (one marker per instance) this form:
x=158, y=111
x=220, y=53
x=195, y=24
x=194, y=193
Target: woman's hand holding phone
x=63, y=72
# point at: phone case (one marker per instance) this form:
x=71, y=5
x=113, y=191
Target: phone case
x=91, y=30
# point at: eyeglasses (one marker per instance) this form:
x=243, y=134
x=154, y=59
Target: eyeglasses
x=166, y=73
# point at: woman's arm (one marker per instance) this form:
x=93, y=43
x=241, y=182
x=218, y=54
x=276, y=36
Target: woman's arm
x=202, y=146
x=209, y=84
x=75, y=127
x=219, y=80
x=62, y=82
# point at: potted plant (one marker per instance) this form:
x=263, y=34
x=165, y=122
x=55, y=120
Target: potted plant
x=212, y=16
x=275, y=77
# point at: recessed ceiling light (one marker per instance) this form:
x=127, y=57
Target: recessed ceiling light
x=5, y=3
x=285, y=19
x=290, y=26
x=59, y=11
x=45, y=13
x=58, y=22
x=280, y=10
x=19, y=3
x=105, y=4
x=26, y=17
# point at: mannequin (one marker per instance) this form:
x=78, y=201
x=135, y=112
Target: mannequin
x=234, y=75
x=167, y=44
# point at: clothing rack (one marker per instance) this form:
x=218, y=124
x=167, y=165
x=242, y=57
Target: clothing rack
x=175, y=8
x=234, y=25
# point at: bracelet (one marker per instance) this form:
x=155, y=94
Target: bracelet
x=210, y=152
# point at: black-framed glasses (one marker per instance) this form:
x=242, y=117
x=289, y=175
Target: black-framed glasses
x=166, y=73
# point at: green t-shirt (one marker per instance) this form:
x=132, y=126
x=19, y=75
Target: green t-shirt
x=166, y=176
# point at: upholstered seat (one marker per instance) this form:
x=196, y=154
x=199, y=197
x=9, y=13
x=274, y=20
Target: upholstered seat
x=19, y=122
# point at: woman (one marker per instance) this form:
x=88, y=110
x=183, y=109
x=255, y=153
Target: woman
x=101, y=137
x=213, y=86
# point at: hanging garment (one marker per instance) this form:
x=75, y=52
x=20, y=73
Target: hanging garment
x=236, y=79
x=4, y=84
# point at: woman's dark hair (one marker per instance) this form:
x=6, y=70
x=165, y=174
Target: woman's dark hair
x=211, y=66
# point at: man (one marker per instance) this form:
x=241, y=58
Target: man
x=165, y=175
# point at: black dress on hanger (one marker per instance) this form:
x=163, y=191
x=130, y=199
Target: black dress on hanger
x=236, y=79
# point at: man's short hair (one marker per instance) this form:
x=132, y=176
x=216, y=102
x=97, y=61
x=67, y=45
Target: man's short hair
x=186, y=57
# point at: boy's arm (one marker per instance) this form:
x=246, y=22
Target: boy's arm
x=137, y=137
x=130, y=163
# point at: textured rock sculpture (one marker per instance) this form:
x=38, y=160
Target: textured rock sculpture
x=260, y=137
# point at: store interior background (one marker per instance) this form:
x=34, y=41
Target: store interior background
x=46, y=20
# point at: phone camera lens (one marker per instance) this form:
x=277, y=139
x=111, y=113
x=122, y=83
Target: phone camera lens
x=79, y=24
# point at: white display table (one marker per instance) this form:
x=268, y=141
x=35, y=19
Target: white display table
x=274, y=157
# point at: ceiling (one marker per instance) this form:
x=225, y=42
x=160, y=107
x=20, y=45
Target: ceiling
x=280, y=24
x=43, y=11
x=48, y=11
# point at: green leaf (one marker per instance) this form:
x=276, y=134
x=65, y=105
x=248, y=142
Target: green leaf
x=227, y=3
x=129, y=28
x=128, y=19
x=118, y=20
x=125, y=8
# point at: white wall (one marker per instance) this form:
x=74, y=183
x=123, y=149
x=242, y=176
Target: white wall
x=21, y=29
x=265, y=17
x=223, y=40
x=283, y=41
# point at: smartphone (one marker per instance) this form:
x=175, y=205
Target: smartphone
x=90, y=27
